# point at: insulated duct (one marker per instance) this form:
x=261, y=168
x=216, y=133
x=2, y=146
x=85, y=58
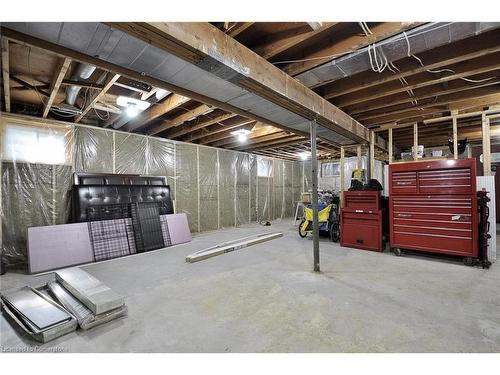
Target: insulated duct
x=81, y=73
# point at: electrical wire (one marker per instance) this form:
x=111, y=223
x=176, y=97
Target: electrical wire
x=382, y=43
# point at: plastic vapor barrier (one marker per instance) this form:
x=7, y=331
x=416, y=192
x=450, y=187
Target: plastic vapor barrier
x=216, y=188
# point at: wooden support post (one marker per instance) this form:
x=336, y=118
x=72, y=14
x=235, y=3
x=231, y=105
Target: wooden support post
x=486, y=145
x=390, y=146
x=314, y=179
x=415, y=141
x=372, y=153
x=6, y=73
x=342, y=184
x=455, y=134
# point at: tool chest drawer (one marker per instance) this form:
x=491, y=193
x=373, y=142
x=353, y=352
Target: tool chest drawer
x=445, y=181
x=362, y=200
x=362, y=229
x=403, y=182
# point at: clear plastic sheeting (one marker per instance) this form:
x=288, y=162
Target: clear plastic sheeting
x=186, y=192
x=216, y=188
x=94, y=150
x=209, y=191
x=242, y=168
x=130, y=154
x=33, y=192
x=227, y=184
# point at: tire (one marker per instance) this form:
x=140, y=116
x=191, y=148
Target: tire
x=334, y=232
x=397, y=251
x=301, y=233
x=469, y=261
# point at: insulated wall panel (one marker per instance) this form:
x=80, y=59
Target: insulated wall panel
x=130, y=153
x=93, y=150
x=227, y=187
x=278, y=191
x=27, y=200
x=288, y=198
x=253, y=186
x=208, y=188
x=242, y=188
x=160, y=159
x=186, y=167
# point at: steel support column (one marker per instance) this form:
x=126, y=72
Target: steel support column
x=314, y=179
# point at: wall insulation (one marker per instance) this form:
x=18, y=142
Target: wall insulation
x=216, y=188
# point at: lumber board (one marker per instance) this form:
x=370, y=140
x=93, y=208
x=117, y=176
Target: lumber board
x=227, y=247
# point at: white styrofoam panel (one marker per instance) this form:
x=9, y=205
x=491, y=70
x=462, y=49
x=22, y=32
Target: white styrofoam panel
x=488, y=183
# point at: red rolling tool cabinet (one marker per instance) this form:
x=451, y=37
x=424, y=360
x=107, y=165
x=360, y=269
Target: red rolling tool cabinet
x=433, y=207
x=361, y=220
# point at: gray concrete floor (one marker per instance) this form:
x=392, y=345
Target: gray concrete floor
x=266, y=299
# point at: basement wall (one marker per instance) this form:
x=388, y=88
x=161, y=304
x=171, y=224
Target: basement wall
x=216, y=188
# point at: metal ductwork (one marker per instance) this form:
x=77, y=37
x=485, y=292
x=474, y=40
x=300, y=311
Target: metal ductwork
x=81, y=73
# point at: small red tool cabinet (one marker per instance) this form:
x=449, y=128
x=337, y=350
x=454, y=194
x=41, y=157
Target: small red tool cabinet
x=433, y=207
x=361, y=220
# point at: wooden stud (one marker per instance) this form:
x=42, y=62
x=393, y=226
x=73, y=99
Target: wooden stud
x=342, y=183
x=486, y=145
x=360, y=157
x=415, y=141
x=390, y=146
x=5, y=73
x=97, y=96
x=455, y=135
x=57, y=79
x=372, y=154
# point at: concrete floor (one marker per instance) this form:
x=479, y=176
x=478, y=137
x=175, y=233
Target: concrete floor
x=266, y=299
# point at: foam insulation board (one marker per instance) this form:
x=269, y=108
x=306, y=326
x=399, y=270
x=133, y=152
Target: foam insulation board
x=98, y=297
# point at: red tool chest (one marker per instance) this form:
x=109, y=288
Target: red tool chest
x=361, y=220
x=433, y=206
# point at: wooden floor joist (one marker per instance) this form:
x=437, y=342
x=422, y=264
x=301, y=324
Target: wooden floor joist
x=194, y=42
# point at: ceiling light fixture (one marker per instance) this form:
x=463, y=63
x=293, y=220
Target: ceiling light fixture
x=241, y=135
x=304, y=155
x=132, y=106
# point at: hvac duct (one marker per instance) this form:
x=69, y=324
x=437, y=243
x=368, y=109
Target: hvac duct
x=82, y=72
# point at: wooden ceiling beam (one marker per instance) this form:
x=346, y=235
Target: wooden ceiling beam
x=6, y=73
x=280, y=134
x=229, y=139
x=155, y=111
x=429, y=92
x=238, y=28
x=270, y=144
x=180, y=119
x=214, y=139
x=28, y=85
x=273, y=47
x=55, y=84
x=200, y=136
x=97, y=96
x=435, y=59
x=190, y=128
x=30, y=41
x=345, y=46
x=444, y=101
x=194, y=42
x=466, y=69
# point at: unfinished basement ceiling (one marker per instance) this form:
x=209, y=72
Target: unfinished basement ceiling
x=116, y=47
